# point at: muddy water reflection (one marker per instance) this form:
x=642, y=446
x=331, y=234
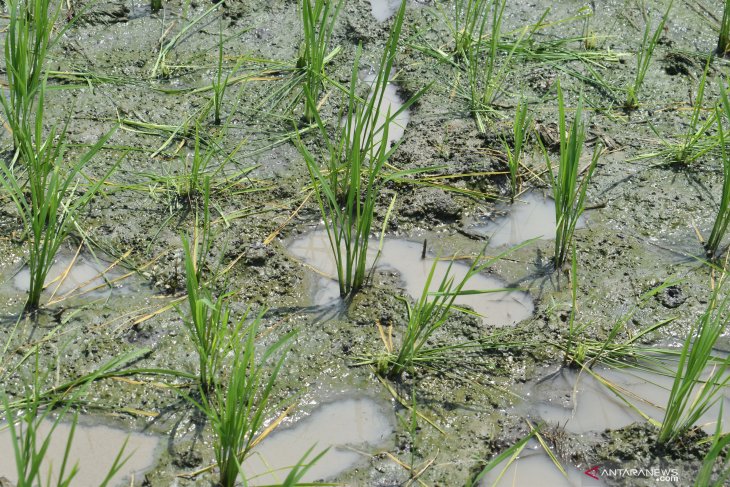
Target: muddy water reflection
x=582, y=403
x=535, y=468
x=346, y=427
x=532, y=216
x=67, y=275
x=93, y=447
x=498, y=309
x=384, y=9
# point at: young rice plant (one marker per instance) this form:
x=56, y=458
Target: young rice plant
x=692, y=395
x=318, y=22
x=568, y=192
x=723, y=213
x=643, y=58
x=238, y=408
x=520, y=132
x=348, y=187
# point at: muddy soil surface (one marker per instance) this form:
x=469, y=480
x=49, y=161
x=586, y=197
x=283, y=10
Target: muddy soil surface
x=641, y=229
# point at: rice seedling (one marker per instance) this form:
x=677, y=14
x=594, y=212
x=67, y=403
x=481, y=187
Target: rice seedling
x=470, y=17
x=348, y=188
x=691, y=396
x=31, y=446
x=693, y=146
x=649, y=42
x=161, y=68
x=696, y=141
x=584, y=352
x=208, y=325
x=520, y=133
x=195, y=180
x=237, y=409
x=568, y=193
x=298, y=471
x=509, y=455
x=719, y=443
x=485, y=80
x=723, y=213
x=590, y=40
x=426, y=316
x=723, y=42
x=49, y=212
x=318, y=22
x=27, y=41
x=220, y=83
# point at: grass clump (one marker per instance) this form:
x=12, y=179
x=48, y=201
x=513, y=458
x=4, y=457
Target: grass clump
x=348, y=186
x=649, y=42
x=692, y=395
x=569, y=193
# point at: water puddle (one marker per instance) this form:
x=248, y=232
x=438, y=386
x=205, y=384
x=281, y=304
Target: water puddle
x=384, y=9
x=392, y=102
x=501, y=308
x=93, y=447
x=534, y=467
x=66, y=276
x=582, y=403
x=531, y=216
x=347, y=427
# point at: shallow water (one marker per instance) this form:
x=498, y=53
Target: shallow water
x=583, y=404
x=392, y=102
x=346, y=427
x=94, y=448
x=535, y=468
x=384, y=9
x=497, y=309
x=85, y=276
x=531, y=216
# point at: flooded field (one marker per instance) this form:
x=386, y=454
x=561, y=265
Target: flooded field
x=364, y=242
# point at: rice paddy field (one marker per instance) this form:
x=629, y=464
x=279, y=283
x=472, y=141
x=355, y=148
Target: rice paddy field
x=364, y=242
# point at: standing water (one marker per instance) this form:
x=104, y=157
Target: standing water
x=582, y=403
x=531, y=216
x=94, y=448
x=532, y=468
x=390, y=104
x=68, y=275
x=500, y=308
x=384, y=9
x=346, y=427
